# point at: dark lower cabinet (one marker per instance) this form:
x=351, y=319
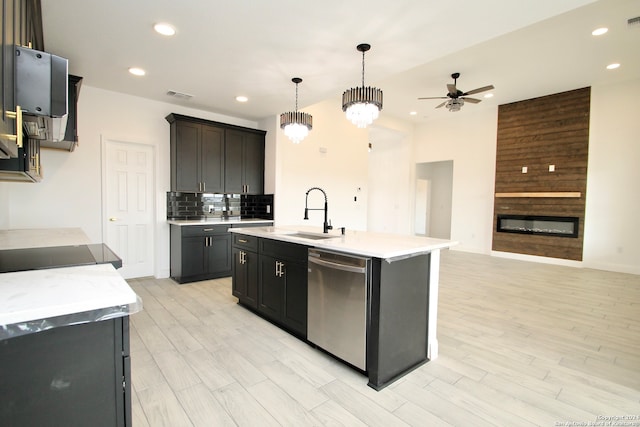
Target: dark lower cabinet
x=279, y=276
x=76, y=375
x=245, y=276
x=200, y=252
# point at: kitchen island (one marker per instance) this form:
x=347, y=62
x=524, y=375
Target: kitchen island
x=64, y=330
x=269, y=277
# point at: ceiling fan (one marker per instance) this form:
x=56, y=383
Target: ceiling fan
x=456, y=98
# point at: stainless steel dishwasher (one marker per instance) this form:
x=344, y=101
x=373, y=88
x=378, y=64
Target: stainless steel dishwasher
x=337, y=304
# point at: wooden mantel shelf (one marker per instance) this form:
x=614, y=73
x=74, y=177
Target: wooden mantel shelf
x=565, y=194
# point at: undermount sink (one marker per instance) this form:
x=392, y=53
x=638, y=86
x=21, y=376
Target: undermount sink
x=310, y=236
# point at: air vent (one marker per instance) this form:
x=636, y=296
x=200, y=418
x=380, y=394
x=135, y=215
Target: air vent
x=179, y=95
x=634, y=22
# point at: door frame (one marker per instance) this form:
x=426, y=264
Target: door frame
x=104, y=141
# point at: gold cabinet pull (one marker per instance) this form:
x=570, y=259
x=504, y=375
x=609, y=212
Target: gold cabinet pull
x=113, y=219
x=18, y=116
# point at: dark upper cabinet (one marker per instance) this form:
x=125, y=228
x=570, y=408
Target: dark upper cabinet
x=21, y=26
x=197, y=157
x=244, y=166
x=71, y=133
x=215, y=157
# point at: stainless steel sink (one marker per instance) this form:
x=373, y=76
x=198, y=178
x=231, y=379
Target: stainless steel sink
x=310, y=236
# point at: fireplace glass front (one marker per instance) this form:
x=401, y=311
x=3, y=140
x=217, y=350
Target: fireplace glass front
x=543, y=225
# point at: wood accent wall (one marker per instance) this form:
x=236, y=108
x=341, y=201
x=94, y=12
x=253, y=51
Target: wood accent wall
x=536, y=133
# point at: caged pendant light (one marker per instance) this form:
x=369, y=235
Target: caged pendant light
x=296, y=124
x=362, y=104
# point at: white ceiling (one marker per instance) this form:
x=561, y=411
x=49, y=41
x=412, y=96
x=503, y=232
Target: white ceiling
x=222, y=49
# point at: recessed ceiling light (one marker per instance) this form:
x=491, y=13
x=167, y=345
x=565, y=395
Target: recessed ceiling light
x=164, y=29
x=599, y=31
x=137, y=71
x=613, y=66
x=241, y=98
x=488, y=95
x=413, y=113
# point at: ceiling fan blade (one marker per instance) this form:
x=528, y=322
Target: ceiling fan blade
x=480, y=89
x=452, y=88
x=435, y=97
x=440, y=105
x=471, y=100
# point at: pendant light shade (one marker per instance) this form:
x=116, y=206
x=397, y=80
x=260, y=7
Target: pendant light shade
x=296, y=124
x=362, y=105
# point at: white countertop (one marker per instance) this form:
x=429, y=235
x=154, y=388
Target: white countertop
x=215, y=221
x=42, y=294
x=377, y=245
x=41, y=237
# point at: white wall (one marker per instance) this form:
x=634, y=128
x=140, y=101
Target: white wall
x=340, y=170
x=612, y=234
x=70, y=193
x=469, y=139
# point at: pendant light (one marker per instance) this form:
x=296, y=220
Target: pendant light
x=296, y=124
x=362, y=104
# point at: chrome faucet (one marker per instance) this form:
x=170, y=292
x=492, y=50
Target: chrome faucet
x=327, y=224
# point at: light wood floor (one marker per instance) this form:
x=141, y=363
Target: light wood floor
x=521, y=344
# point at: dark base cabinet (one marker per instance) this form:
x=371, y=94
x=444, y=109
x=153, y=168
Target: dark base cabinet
x=245, y=270
x=275, y=274
x=200, y=252
x=76, y=375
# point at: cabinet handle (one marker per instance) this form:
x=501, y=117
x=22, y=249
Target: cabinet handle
x=242, y=240
x=208, y=229
x=279, y=269
x=204, y=186
x=18, y=116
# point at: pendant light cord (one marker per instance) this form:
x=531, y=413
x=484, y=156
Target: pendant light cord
x=363, y=69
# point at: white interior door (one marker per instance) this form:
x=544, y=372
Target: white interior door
x=129, y=206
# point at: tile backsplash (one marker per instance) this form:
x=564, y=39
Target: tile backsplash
x=208, y=205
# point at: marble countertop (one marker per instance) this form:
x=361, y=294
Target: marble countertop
x=219, y=221
x=43, y=294
x=41, y=237
x=365, y=243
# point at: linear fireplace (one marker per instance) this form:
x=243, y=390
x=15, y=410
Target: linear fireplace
x=560, y=226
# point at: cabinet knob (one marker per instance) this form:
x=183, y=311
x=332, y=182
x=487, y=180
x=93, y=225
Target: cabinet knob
x=113, y=219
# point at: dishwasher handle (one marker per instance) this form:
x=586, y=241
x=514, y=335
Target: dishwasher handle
x=337, y=266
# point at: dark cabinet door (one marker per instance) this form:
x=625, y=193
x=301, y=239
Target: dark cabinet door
x=294, y=314
x=194, y=261
x=253, y=164
x=245, y=277
x=233, y=181
x=212, y=159
x=271, y=288
x=187, y=157
x=218, y=253
x=244, y=162
x=21, y=26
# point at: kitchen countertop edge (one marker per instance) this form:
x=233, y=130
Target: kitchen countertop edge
x=389, y=247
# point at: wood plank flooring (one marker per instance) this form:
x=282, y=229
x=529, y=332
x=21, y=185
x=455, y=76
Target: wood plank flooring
x=521, y=344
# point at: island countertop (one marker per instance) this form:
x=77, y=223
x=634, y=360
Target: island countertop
x=377, y=245
x=34, y=300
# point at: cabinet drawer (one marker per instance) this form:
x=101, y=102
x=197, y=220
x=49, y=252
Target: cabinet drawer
x=245, y=242
x=284, y=250
x=203, y=230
